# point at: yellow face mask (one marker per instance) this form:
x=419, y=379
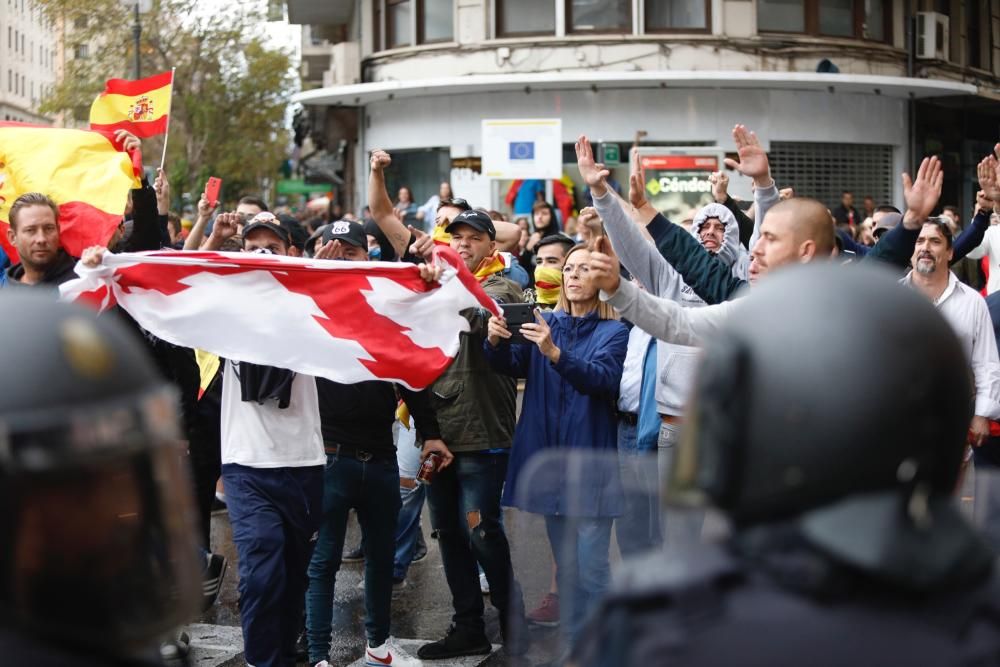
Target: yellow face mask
x=548, y=283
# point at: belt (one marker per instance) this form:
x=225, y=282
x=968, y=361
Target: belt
x=362, y=455
x=629, y=418
x=670, y=419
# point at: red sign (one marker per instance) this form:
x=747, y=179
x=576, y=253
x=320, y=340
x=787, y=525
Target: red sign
x=680, y=162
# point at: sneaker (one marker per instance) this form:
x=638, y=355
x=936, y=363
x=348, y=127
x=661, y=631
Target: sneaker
x=547, y=613
x=355, y=555
x=455, y=644
x=322, y=663
x=211, y=579
x=484, y=584
x=389, y=654
x=420, y=551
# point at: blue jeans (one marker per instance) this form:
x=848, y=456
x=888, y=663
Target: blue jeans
x=580, y=546
x=371, y=488
x=681, y=526
x=407, y=528
x=638, y=529
x=275, y=513
x=464, y=500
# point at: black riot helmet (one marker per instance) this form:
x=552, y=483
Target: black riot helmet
x=840, y=399
x=95, y=510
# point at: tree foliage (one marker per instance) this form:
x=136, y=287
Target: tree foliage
x=231, y=88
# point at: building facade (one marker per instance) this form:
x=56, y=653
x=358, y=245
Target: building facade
x=28, y=61
x=844, y=94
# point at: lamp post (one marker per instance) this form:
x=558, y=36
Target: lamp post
x=136, y=34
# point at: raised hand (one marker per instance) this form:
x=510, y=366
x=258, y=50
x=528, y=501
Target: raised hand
x=130, y=142
x=93, y=256
x=162, y=187
x=205, y=208
x=380, y=160
x=636, y=182
x=922, y=193
x=753, y=159
x=605, y=269
x=423, y=243
x=430, y=273
x=720, y=186
x=987, y=171
x=593, y=173
x=226, y=225
x=983, y=203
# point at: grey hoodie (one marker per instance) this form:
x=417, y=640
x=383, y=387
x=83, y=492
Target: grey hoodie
x=675, y=363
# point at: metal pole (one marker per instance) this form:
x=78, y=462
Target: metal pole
x=136, y=34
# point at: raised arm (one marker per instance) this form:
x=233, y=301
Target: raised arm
x=720, y=192
x=197, y=233
x=381, y=205
x=987, y=200
x=754, y=164
x=922, y=194
x=708, y=276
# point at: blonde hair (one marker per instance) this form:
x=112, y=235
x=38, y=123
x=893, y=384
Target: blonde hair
x=605, y=311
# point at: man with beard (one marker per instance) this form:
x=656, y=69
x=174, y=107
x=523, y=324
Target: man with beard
x=967, y=314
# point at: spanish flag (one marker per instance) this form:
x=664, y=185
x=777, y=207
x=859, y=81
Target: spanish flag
x=87, y=173
x=142, y=107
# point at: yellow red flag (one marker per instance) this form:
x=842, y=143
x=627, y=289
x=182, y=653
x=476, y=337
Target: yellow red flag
x=87, y=173
x=142, y=107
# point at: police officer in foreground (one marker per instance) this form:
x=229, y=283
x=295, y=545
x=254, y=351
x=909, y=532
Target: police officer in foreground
x=828, y=422
x=99, y=559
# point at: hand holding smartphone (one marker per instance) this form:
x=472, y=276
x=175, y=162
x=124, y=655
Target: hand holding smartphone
x=212, y=189
x=517, y=314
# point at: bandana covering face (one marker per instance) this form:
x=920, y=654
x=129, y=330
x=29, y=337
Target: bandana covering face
x=548, y=283
x=440, y=236
x=489, y=266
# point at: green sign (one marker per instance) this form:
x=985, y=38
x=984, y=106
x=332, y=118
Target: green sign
x=297, y=186
x=611, y=154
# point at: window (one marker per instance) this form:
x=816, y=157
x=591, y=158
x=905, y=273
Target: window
x=397, y=31
x=80, y=22
x=80, y=51
x=665, y=15
x=10, y=81
x=436, y=21
x=857, y=19
x=398, y=22
x=599, y=15
x=525, y=17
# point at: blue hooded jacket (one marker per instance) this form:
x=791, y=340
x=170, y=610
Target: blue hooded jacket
x=567, y=406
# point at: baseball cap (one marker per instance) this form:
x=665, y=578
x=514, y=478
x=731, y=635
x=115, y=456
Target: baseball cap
x=278, y=230
x=346, y=231
x=476, y=220
x=887, y=222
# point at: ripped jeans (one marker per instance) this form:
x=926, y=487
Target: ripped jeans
x=464, y=500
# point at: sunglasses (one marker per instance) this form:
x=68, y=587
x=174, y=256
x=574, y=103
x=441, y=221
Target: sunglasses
x=457, y=202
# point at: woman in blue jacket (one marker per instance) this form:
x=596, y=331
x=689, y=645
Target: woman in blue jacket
x=573, y=366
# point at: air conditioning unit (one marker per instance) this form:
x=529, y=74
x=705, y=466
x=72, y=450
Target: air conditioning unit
x=345, y=65
x=932, y=36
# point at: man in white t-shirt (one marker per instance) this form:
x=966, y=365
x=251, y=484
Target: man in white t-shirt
x=272, y=469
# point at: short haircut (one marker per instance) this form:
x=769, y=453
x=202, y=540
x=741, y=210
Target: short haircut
x=886, y=208
x=943, y=228
x=253, y=201
x=811, y=221
x=953, y=210
x=455, y=202
x=496, y=216
x=556, y=239
x=31, y=199
x=175, y=220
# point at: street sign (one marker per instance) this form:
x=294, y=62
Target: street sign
x=522, y=148
x=611, y=154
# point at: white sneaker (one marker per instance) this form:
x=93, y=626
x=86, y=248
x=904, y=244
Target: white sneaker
x=484, y=584
x=389, y=654
x=322, y=663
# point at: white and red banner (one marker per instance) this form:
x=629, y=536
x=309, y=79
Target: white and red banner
x=346, y=321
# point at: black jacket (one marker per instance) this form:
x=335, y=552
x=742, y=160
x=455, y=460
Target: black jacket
x=60, y=272
x=361, y=415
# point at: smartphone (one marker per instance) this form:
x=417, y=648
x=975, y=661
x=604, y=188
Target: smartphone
x=517, y=314
x=212, y=189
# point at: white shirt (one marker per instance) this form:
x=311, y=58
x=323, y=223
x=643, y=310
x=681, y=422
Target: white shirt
x=967, y=313
x=990, y=247
x=265, y=436
x=635, y=361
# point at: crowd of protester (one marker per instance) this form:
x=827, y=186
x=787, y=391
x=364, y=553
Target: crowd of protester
x=621, y=300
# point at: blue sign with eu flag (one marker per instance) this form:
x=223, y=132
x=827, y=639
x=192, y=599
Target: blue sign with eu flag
x=522, y=150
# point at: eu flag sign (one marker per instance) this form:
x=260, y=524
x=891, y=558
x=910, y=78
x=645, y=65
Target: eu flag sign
x=522, y=150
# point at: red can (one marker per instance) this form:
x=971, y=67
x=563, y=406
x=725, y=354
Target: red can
x=429, y=468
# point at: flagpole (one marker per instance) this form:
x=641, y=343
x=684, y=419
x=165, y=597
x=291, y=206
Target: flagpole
x=170, y=112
